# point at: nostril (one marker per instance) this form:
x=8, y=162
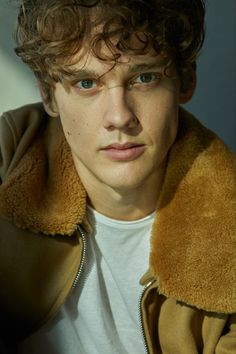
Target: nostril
x=134, y=122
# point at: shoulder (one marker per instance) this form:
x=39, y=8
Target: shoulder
x=198, y=137
x=21, y=120
x=18, y=128
x=203, y=151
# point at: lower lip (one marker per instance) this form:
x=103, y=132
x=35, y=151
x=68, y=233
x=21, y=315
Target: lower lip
x=129, y=154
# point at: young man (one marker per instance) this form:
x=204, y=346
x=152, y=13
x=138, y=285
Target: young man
x=117, y=206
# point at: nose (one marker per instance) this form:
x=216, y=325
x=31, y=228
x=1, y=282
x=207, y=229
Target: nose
x=119, y=112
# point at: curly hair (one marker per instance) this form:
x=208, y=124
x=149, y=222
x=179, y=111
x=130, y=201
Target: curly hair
x=50, y=33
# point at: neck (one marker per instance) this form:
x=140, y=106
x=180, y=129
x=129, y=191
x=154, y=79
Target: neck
x=125, y=204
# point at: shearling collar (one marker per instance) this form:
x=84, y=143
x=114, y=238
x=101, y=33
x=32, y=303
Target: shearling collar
x=193, y=240
x=193, y=248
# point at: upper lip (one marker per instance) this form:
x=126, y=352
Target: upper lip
x=121, y=146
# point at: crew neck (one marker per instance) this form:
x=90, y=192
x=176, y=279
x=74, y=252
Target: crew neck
x=97, y=217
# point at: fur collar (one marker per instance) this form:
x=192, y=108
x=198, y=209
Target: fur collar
x=193, y=240
x=193, y=248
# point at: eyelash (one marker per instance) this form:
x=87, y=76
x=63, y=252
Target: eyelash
x=131, y=84
x=155, y=76
x=92, y=80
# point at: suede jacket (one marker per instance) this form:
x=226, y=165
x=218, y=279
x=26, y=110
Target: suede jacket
x=188, y=304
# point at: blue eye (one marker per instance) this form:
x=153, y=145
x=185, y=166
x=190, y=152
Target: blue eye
x=145, y=81
x=86, y=84
x=146, y=78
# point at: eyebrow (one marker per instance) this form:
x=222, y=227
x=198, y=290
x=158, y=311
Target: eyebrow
x=145, y=66
x=89, y=73
x=82, y=74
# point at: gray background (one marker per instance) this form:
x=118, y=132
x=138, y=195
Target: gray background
x=214, y=102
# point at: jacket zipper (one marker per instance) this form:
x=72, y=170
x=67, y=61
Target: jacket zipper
x=82, y=262
x=141, y=315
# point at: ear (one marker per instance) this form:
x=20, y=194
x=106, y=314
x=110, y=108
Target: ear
x=49, y=102
x=188, y=85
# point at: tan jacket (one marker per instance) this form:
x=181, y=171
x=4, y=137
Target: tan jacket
x=189, y=303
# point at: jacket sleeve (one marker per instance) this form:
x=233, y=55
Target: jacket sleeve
x=227, y=343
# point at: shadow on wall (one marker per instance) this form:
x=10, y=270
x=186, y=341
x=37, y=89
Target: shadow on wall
x=215, y=99
x=17, y=83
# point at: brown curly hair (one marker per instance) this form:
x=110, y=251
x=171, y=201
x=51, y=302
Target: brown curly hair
x=51, y=32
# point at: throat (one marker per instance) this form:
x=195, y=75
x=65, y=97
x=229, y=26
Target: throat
x=125, y=207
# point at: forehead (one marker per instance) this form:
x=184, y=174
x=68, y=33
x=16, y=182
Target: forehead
x=86, y=63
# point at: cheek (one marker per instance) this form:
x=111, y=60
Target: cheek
x=75, y=127
x=77, y=120
x=170, y=127
x=73, y=118
x=162, y=126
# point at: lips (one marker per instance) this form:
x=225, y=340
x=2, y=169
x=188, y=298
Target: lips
x=123, y=152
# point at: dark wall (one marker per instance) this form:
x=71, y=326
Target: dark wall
x=215, y=99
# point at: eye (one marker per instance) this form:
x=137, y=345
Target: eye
x=86, y=84
x=145, y=81
x=146, y=78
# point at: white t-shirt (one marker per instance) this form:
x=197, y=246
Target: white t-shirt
x=101, y=315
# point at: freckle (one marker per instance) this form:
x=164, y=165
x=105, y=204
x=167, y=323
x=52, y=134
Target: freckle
x=69, y=133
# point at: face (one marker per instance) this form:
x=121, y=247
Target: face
x=121, y=121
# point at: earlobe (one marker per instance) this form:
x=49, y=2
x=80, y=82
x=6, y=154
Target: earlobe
x=186, y=93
